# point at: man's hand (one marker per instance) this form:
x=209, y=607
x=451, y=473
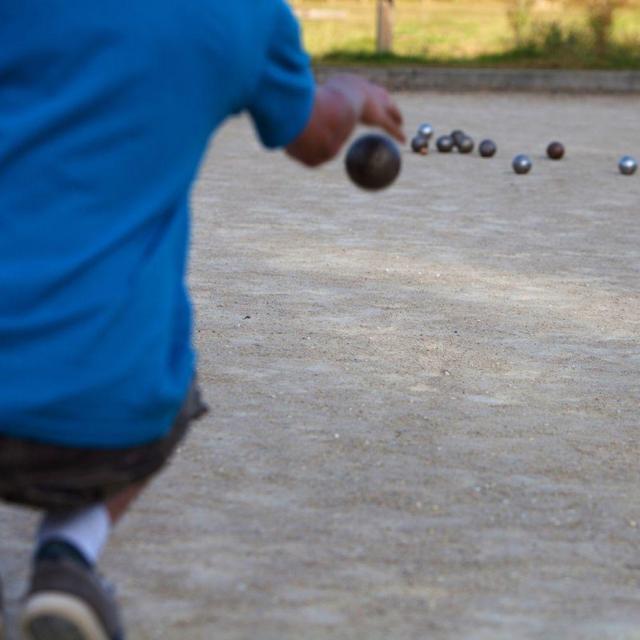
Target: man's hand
x=340, y=104
x=379, y=110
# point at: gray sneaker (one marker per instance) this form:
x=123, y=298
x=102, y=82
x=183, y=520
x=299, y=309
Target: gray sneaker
x=68, y=601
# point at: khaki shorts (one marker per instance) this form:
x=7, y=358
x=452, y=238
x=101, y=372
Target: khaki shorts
x=56, y=478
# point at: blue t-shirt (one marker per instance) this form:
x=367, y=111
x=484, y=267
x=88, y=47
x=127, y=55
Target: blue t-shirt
x=105, y=113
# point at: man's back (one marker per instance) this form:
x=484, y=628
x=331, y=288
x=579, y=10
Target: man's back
x=105, y=112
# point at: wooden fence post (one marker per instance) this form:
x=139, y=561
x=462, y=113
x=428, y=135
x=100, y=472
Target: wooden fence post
x=384, y=35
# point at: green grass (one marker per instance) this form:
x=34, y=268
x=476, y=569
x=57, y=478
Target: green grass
x=465, y=33
x=527, y=57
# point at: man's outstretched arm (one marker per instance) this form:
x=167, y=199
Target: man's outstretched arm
x=340, y=104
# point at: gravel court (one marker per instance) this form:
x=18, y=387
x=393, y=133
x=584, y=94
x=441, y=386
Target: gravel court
x=424, y=402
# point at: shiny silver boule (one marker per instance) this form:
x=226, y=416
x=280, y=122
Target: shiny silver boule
x=522, y=164
x=426, y=130
x=628, y=166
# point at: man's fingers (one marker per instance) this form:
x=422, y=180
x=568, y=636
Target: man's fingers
x=390, y=119
x=396, y=114
x=395, y=117
x=381, y=111
x=392, y=127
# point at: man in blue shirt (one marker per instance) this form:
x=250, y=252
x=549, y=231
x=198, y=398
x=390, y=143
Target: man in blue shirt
x=105, y=113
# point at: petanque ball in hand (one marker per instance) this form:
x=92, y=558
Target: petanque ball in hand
x=373, y=162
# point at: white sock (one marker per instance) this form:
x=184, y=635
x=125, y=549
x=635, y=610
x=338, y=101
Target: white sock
x=86, y=529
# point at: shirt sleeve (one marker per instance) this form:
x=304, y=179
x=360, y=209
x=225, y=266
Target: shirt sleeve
x=283, y=99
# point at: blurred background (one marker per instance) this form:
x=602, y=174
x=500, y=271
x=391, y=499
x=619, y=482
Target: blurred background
x=569, y=34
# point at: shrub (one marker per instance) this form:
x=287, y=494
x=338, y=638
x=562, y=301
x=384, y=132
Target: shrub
x=519, y=13
x=600, y=16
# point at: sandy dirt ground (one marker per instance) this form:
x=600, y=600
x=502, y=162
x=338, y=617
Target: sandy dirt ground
x=424, y=402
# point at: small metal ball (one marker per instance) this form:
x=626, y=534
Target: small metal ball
x=420, y=144
x=457, y=136
x=628, y=166
x=522, y=164
x=445, y=144
x=555, y=150
x=466, y=145
x=426, y=130
x=487, y=148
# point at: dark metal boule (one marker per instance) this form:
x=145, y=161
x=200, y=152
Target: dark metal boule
x=373, y=162
x=457, y=136
x=445, y=144
x=555, y=150
x=487, y=148
x=420, y=144
x=466, y=145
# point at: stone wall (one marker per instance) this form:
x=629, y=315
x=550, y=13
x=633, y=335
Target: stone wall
x=538, y=80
